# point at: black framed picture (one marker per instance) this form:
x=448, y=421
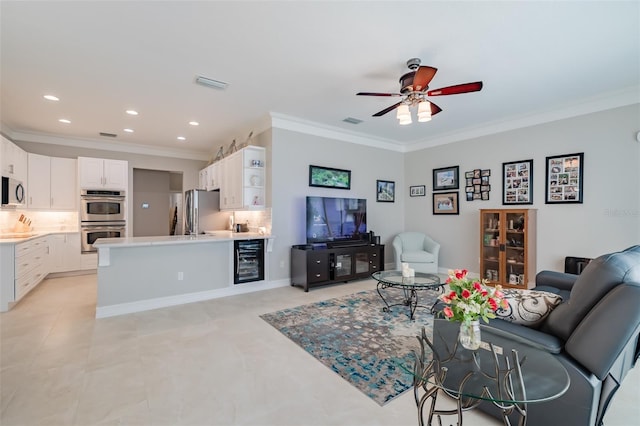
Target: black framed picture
x=417, y=191
x=445, y=203
x=445, y=178
x=328, y=177
x=385, y=191
x=517, y=182
x=563, y=181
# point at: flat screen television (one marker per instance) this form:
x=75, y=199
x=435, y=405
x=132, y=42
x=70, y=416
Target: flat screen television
x=336, y=219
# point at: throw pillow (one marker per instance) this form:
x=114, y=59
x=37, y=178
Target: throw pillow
x=528, y=307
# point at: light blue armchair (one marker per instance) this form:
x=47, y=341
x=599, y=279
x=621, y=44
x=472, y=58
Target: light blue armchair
x=418, y=250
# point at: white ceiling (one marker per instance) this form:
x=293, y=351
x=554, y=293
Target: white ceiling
x=305, y=61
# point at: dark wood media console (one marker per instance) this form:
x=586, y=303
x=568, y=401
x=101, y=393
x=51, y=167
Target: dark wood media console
x=313, y=267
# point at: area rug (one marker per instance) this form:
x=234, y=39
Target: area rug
x=356, y=339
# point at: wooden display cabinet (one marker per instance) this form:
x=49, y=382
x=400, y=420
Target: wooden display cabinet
x=508, y=247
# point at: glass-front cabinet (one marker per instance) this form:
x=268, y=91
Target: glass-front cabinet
x=508, y=247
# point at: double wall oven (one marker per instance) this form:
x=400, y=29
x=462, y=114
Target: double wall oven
x=102, y=215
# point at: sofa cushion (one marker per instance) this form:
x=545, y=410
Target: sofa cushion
x=597, y=279
x=417, y=257
x=528, y=307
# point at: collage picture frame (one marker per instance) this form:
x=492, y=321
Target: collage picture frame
x=563, y=180
x=517, y=182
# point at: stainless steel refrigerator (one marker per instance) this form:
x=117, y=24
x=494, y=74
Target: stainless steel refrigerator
x=202, y=212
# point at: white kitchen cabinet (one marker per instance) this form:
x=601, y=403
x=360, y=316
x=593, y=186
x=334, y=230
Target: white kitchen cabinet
x=31, y=265
x=231, y=189
x=51, y=183
x=99, y=173
x=242, y=180
x=202, y=178
x=39, y=181
x=64, y=252
x=14, y=161
x=213, y=177
x=64, y=188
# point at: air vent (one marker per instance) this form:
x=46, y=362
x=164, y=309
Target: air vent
x=209, y=82
x=352, y=120
x=108, y=135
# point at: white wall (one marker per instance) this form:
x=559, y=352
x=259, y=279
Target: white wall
x=608, y=219
x=291, y=155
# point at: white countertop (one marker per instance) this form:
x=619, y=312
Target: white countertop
x=217, y=236
x=21, y=237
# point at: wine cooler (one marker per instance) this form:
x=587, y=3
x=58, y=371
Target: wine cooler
x=249, y=261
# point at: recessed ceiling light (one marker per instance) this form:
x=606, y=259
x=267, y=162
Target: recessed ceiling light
x=51, y=98
x=65, y=121
x=132, y=112
x=181, y=138
x=128, y=130
x=194, y=123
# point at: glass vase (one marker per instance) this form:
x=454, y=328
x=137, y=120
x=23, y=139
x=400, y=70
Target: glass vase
x=470, y=335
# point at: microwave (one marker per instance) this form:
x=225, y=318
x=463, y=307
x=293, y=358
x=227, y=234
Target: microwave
x=12, y=192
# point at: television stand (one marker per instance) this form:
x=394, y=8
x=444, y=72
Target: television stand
x=347, y=243
x=318, y=266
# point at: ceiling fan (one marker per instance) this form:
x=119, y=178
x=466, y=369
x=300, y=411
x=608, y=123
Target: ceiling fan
x=414, y=87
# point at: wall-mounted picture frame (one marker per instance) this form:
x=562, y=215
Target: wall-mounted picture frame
x=445, y=178
x=445, y=203
x=417, y=191
x=477, y=185
x=563, y=181
x=517, y=182
x=385, y=191
x=328, y=177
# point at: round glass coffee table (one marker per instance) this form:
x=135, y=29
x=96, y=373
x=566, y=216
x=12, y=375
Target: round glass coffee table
x=409, y=286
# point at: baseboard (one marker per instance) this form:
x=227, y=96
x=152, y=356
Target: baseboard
x=181, y=299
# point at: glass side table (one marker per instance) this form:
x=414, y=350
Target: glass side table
x=506, y=371
x=409, y=286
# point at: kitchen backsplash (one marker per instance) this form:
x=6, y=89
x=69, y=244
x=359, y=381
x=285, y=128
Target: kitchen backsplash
x=41, y=221
x=256, y=219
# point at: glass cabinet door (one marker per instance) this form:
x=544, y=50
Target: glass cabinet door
x=491, y=246
x=362, y=262
x=515, y=248
x=343, y=265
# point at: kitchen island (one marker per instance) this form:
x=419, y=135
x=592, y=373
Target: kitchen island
x=142, y=273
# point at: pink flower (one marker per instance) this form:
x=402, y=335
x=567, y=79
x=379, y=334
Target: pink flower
x=466, y=294
x=447, y=312
x=460, y=274
x=484, y=292
x=477, y=286
x=453, y=295
x=445, y=299
x=492, y=303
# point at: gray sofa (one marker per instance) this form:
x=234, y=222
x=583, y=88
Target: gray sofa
x=593, y=332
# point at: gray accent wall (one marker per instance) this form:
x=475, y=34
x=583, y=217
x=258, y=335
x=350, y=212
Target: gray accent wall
x=607, y=220
x=292, y=153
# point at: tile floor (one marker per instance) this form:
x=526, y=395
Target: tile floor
x=207, y=363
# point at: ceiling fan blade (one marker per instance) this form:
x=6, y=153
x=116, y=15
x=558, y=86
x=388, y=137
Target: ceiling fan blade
x=377, y=94
x=458, y=88
x=423, y=77
x=386, y=110
x=434, y=109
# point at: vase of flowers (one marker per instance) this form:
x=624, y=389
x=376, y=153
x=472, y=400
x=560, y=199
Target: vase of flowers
x=468, y=301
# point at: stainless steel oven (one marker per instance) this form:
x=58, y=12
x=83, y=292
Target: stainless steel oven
x=99, y=205
x=90, y=232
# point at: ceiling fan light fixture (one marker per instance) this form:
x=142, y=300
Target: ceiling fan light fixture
x=424, y=111
x=403, y=113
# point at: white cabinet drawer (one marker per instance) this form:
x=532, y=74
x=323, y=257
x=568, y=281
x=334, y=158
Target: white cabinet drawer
x=30, y=261
x=31, y=265
x=25, y=283
x=29, y=246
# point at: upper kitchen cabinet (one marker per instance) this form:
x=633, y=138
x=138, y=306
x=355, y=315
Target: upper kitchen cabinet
x=14, y=161
x=99, y=173
x=242, y=179
x=52, y=183
x=209, y=177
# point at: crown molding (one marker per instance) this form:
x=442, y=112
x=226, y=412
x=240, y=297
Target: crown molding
x=107, y=145
x=603, y=102
x=287, y=122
